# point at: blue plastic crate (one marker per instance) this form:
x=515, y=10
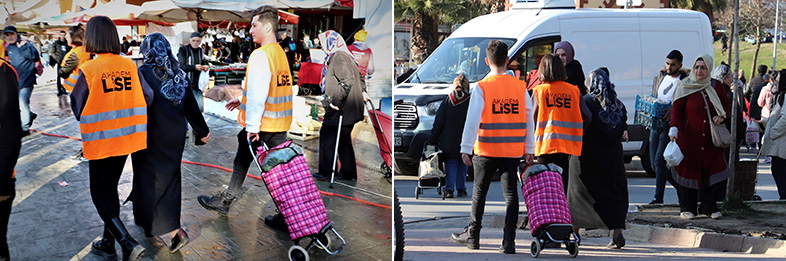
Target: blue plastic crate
x=649, y=121
x=651, y=105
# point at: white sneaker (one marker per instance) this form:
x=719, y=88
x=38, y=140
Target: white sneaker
x=688, y=215
x=716, y=215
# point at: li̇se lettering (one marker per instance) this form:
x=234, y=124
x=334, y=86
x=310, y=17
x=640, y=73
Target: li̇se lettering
x=116, y=81
x=505, y=106
x=283, y=80
x=559, y=100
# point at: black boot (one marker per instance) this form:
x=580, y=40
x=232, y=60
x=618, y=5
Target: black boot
x=219, y=202
x=508, y=240
x=131, y=249
x=277, y=221
x=105, y=247
x=470, y=237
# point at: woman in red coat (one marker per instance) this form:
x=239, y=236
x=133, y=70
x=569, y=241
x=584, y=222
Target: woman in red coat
x=703, y=171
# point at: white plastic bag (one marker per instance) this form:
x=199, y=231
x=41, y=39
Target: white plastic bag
x=204, y=79
x=752, y=133
x=672, y=154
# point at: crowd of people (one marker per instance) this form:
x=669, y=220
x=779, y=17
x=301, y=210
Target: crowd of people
x=148, y=108
x=579, y=124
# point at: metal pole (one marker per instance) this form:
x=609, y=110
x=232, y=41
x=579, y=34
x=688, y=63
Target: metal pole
x=734, y=106
x=775, y=41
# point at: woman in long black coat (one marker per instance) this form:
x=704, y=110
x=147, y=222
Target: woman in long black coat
x=598, y=188
x=157, y=179
x=10, y=144
x=573, y=67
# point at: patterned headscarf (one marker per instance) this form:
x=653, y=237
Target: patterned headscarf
x=602, y=90
x=332, y=42
x=158, y=54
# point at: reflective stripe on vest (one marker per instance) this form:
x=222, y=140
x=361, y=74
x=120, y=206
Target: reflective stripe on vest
x=83, y=57
x=560, y=128
x=277, y=116
x=503, y=123
x=114, y=119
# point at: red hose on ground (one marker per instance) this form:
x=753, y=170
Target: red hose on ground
x=229, y=170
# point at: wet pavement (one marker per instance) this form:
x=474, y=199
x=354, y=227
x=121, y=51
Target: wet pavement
x=52, y=220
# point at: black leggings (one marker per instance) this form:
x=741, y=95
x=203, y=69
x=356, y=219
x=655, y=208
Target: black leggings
x=104, y=176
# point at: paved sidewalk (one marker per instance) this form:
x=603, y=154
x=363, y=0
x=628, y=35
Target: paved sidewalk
x=429, y=240
x=54, y=221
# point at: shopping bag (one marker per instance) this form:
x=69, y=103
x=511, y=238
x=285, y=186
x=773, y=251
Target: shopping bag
x=752, y=132
x=204, y=80
x=672, y=154
x=429, y=163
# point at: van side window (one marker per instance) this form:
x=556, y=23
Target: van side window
x=525, y=63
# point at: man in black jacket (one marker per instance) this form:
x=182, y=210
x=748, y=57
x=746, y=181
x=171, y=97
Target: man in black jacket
x=59, y=50
x=190, y=58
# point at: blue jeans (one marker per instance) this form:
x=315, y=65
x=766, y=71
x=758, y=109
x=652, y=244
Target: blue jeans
x=456, y=174
x=24, y=107
x=658, y=141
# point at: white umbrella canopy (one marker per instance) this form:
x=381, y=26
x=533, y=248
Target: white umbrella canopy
x=250, y=5
x=168, y=11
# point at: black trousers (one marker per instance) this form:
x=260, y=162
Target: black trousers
x=243, y=157
x=5, y=213
x=485, y=168
x=707, y=195
x=346, y=154
x=778, y=168
x=60, y=89
x=104, y=176
x=563, y=161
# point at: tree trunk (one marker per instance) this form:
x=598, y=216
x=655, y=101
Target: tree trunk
x=756, y=54
x=424, y=36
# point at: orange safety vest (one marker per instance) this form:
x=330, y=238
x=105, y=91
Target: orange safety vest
x=278, y=106
x=114, y=119
x=3, y=50
x=9, y=66
x=503, y=124
x=361, y=57
x=83, y=57
x=560, y=127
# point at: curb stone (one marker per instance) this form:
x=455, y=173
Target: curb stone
x=687, y=237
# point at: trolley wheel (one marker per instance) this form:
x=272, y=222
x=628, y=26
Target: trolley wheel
x=444, y=193
x=385, y=170
x=298, y=253
x=573, y=249
x=417, y=192
x=324, y=239
x=535, y=248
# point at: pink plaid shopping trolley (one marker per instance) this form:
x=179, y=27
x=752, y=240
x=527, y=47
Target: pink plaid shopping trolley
x=286, y=175
x=547, y=209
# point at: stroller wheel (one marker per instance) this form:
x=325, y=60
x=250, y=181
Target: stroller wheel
x=417, y=192
x=535, y=248
x=324, y=239
x=573, y=249
x=298, y=253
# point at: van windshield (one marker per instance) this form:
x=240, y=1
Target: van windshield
x=455, y=56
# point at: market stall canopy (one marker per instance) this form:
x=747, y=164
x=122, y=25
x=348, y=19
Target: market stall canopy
x=28, y=11
x=228, y=11
x=122, y=14
x=250, y=5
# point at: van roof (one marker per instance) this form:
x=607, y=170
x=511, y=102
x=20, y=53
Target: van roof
x=492, y=25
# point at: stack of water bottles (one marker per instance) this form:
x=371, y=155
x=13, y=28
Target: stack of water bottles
x=650, y=111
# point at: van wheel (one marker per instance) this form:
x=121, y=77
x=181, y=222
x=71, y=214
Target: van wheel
x=646, y=164
x=406, y=168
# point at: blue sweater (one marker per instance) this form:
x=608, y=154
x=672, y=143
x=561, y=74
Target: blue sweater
x=23, y=60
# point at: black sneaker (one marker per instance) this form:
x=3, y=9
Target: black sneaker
x=464, y=238
x=219, y=202
x=104, y=248
x=277, y=222
x=449, y=194
x=656, y=201
x=461, y=193
x=25, y=133
x=510, y=249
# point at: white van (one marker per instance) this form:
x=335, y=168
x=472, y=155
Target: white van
x=631, y=43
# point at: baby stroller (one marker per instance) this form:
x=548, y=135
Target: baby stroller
x=383, y=126
x=287, y=178
x=430, y=174
x=547, y=208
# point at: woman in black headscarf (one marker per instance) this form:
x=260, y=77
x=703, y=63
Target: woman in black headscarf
x=157, y=179
x=575, y=73
x=598, y=189
x=447, y=131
